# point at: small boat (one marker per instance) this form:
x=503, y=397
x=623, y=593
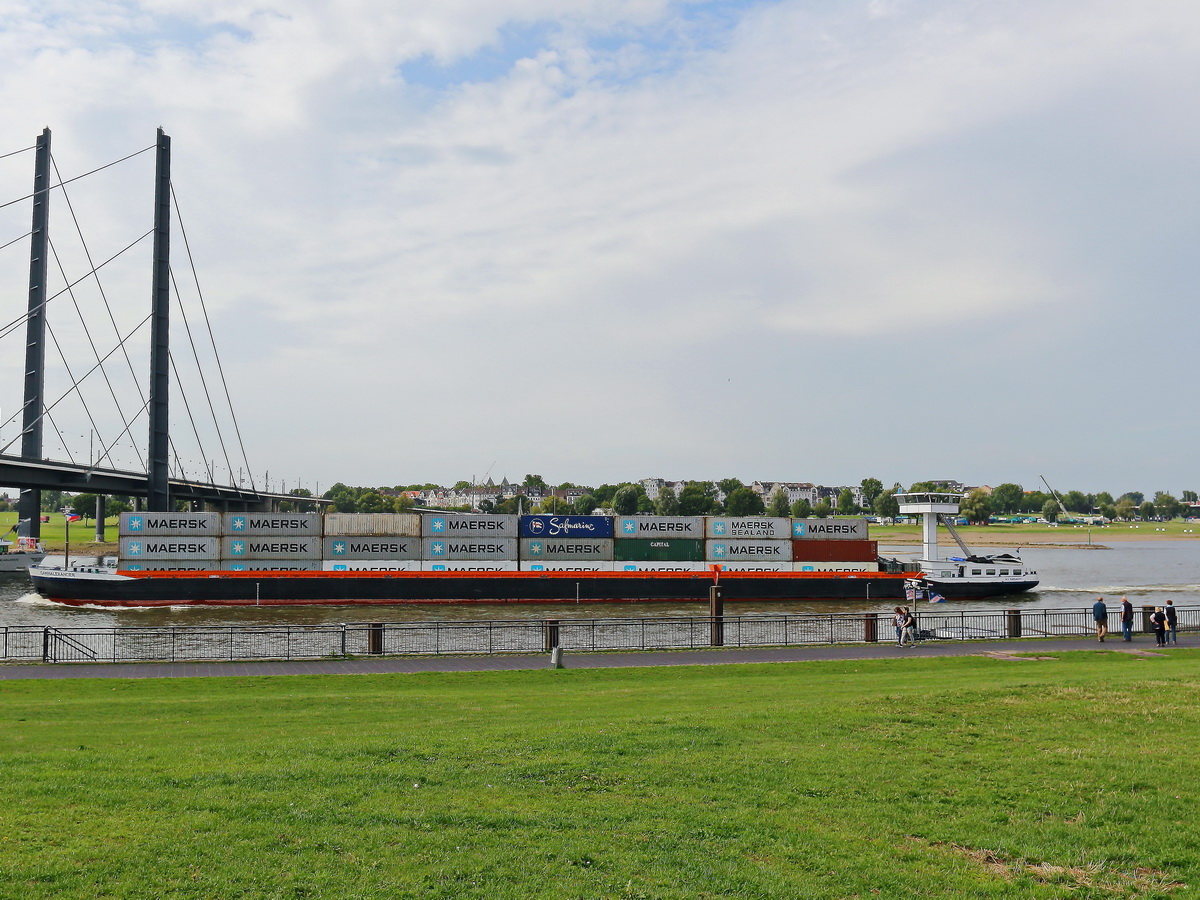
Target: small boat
x=20, y=556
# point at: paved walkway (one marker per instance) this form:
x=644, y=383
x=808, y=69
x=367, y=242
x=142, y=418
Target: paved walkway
x=1012, y=649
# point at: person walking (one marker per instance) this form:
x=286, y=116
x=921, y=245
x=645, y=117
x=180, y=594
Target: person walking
x=910, y=628
x=1172, y=622
x=1100, y=614
x=1158, y=621
x=898, y=621
x=1126, y=619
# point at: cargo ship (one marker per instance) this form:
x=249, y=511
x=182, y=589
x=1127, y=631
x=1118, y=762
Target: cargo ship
x=248, y=559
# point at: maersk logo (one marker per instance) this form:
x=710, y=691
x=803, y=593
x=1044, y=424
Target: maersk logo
x=339, y=548
x=438, y=525
x=718, y=550
x=437, y=548
x=808, y=568
x=631, y=568
x=237, y=523
x=537, y=567
x=237, y=548
x=719, y=528
x=339, y=567
x=437, y=568
x=799, y=529
x=237, y=567
x=629, y=526
x=134, y=548
x=135, y=523
x=535, y=548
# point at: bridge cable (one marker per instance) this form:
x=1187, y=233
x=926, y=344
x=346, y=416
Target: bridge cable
x=14, y=240
x=77, y=177
x=62, y=438
x=212, y=479
x=15, y=152
x=75, y=387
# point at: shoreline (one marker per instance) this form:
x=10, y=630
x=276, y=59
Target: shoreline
x=1098, y=540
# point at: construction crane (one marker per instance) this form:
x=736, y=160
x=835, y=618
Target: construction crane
x=1066, y=515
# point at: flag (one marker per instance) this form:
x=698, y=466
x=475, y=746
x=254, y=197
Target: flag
x=72, y=517
x=935, y=597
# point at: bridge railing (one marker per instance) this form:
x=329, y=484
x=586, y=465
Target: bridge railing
x=297, y=642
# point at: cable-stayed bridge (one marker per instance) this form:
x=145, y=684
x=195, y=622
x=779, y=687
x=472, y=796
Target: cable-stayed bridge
x=116, y=375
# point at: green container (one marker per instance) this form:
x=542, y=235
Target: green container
x=658, y=550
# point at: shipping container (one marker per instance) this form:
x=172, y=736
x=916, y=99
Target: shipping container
x=756, y=567
x=566, y=526
x=364, y=524
x=660, y=527
x=371, y=565
x=835, y=567
x=168, y=565
x=468, y=548
x=273, y=524
x=565, y=566
x=748, y=551
x=205, y=524
x=132, y=549
x=259, y=547
x=748, y=528
x=568, y=548
x=272, y=565
x=836, y=551
x=830, y=529
x=469, y=526
x=659, y=566
x=636, y=549
x=370, y=547
x=452, y=565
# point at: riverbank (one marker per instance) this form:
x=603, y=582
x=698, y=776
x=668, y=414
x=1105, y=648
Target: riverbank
x=1043, y=535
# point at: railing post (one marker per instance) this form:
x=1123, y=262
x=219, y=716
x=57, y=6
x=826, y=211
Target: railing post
x=343, y=639
x=549, y=634
x=46, y=643
x=1014, y=623
x=375, y=638
x=716, y=616
x=871, y=628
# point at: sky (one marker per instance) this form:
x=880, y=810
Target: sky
x=604, y=241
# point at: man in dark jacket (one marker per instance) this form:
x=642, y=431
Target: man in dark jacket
x=1100, y=614
x=1172, y=621
x=1126, y=619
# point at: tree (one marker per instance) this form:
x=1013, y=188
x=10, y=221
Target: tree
x=1050, y=511
x=667, y=503
x=460, y=486
x=403, y=503
x=1126, y=508
x=1108, y=510
x=1136, y=496
x=625, y=501
x=779, y=505
x=1007, y=498
x=744, y=502
x=371, y=502
x=822, y=509
x=1078, y=502
x=1166, y=505
x=846, y=505
x=871, y=488
x=584, y=504
x=801, y=509
x=535, y=481
x=1190, y=497
x=697, y=499
x=975, y=507
x=729, y=485
x=604, y=494
x=886, y=505
x=1104, y=497
x=1146, y=511
x=84, y=505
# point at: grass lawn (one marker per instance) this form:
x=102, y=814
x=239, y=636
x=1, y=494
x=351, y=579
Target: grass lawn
x=972, y=777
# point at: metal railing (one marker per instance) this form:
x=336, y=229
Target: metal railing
x=288, y=642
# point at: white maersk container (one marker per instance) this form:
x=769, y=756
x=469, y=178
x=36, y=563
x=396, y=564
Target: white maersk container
x=571, y=549
x=380, y=524
x=659, y=527
x=468, y=548
x=168, y=547
x=272, y=565
x=748, y=528
x=756, y=567
x=465, y=565
x=748, y=551
x=656, y=566
x=552, y=565
x=279, y=547
x=371, y=565
x=829, y=529
x=132, y=524
x=167, y=565
x=370, y=547
x=467, y=525
x=273, y=524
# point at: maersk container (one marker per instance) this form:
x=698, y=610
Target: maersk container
x=168, y=565
x=370, y=547
x=567, y=548
x=756, y=567
x=836, y=551
x=829, y=529
x=272, y=565
x=259, y=547
x=273, y=524
x=636, y=549
x=748, y=528
x=462, y=565
x=658, y=566
x=659, y=527
x=566, y=526
x=132, y=524
x=371, y=565
x=167, y=547
x=551, y=565
x=813, y=566
x=364, y=524
x=468, y=548
x=468, y=525
x=748, y=551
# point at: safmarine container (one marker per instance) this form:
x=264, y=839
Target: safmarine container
x=168, y=547
x=551, y=565
x=468, y=548
x=748, y=528
x=273, y=565
x=276, y=547
x=835, y=567
x=756, y=567
x=569, y=548
x=659, y=527
x=566, y=526
x=132, y=524
x=663, y=549
x=835, y=551
x=370, y=547
x=652, y=566
x=371, y=565
x=829, y=529
x=469, y=526
x=273, y=524
x=452, y=565
x=363, y=524
x=749, y=551
x=168, y=565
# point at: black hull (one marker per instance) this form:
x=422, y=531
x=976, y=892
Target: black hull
x=960, y=590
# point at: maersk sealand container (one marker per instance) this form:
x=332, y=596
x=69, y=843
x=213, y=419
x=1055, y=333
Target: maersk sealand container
x=566, y=526
x=747, y=528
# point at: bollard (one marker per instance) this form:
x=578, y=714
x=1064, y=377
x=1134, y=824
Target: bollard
x=871, y=628
x=550, y=635
x=1014, y=623
x=556, y=660
x=716, y=616
x=375, y=638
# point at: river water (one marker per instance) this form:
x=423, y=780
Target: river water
x=1149, y=572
